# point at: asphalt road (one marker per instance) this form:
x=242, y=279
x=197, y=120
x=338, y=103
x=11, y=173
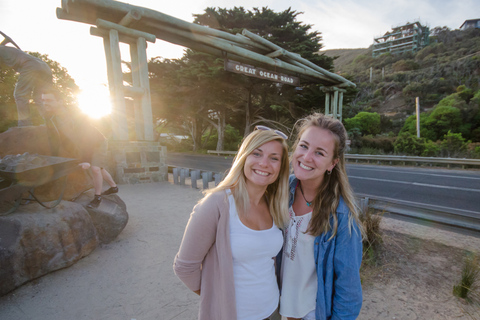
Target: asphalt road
x=452, y=190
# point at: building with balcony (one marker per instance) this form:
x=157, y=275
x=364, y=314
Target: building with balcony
x=473, y=23
x=410, y=37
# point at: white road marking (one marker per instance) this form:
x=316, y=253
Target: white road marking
x=417, y=184
x=418, y=173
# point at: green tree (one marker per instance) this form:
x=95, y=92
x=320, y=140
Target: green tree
x=283, y=29
x=186, y=94
x=199, y=93
x=367, y=122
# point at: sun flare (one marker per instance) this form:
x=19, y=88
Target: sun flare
x=95, y=101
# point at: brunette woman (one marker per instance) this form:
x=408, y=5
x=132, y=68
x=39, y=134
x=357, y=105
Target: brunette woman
x=323, y=242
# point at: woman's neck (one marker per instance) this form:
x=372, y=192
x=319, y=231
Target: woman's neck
x=256, y=193
x=310, y=188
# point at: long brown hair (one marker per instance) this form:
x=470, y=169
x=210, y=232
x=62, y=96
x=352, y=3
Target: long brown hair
x=335, y=184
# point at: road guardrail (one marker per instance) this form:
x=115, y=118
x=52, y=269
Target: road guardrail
x=379, y=159
x=458, y=219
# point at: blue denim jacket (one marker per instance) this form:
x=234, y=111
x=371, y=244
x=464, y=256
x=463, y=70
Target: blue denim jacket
x=339, y=293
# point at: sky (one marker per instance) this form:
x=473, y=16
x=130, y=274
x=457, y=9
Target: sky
x=33, y=25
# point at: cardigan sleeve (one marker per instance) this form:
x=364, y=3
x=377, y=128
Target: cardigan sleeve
x=199, y=236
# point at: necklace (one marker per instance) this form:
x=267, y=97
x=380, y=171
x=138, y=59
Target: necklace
x=309, y=203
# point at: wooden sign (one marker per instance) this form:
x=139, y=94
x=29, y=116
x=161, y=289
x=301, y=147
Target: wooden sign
x=260, y=73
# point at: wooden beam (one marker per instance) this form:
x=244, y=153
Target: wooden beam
x=104, y=33
x=126, y=31
x=130, y=18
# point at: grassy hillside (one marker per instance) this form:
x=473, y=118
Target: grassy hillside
x=345, y=57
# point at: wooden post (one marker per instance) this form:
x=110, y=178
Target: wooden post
x=108, y=54
x=371, y=74
x=145, y=84
x=327, y=103
x=139, y=130
x=335, y=104
x=119, y=118
x=340, y=104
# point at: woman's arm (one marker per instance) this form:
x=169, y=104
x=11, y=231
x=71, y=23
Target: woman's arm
x=200, y=234
x=347, y=299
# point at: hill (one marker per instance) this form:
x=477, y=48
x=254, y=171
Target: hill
x=344, y=57
x=445, y=76
x=433, y=73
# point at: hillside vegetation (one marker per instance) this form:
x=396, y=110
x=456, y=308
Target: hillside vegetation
x=445, y=76
x=344, y=57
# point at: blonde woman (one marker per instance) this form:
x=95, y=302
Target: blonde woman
x=322, y=252
x=230, y=242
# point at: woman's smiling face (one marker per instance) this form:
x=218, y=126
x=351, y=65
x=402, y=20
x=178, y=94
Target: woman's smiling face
x=262, y=166
x=314, y=155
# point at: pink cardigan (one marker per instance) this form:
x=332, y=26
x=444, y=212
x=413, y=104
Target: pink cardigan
x=204, y=260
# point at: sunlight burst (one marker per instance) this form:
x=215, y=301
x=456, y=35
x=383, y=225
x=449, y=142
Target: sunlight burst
x=95, y=101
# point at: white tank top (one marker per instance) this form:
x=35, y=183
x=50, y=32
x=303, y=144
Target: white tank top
x=256, y=289
x=299, y=277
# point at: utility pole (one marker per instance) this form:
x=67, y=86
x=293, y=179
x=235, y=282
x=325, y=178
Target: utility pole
x=417, y=100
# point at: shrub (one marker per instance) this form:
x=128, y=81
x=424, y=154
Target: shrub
x=373, y=236
x=453, y=144
x=432, y=149
x=366, y=122
x=465, y=93
x=409, y=144
x=410, y=126
x=470, y=274
x=443, y=119
x=384, y=144
x=405, y=65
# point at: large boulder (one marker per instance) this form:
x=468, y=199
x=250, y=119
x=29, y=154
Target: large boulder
x=35, y=241
x=110, y=218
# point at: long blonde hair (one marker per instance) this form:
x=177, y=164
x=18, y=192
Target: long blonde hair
x=335, y=184
x=277, y=192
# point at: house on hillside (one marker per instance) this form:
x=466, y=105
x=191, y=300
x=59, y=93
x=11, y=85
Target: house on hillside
x=473, y=23
x=410, y=37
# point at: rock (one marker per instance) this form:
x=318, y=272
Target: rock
x=110, y=218
x=35, y=241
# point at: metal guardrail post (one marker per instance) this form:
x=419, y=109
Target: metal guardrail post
x=218, y=178
x=175, y=175
x=205, y=179
x=182, y=177
x=194, y=177
x=364, y=205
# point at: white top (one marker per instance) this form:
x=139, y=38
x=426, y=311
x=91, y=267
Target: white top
x=256, y=289
x=299, y=277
